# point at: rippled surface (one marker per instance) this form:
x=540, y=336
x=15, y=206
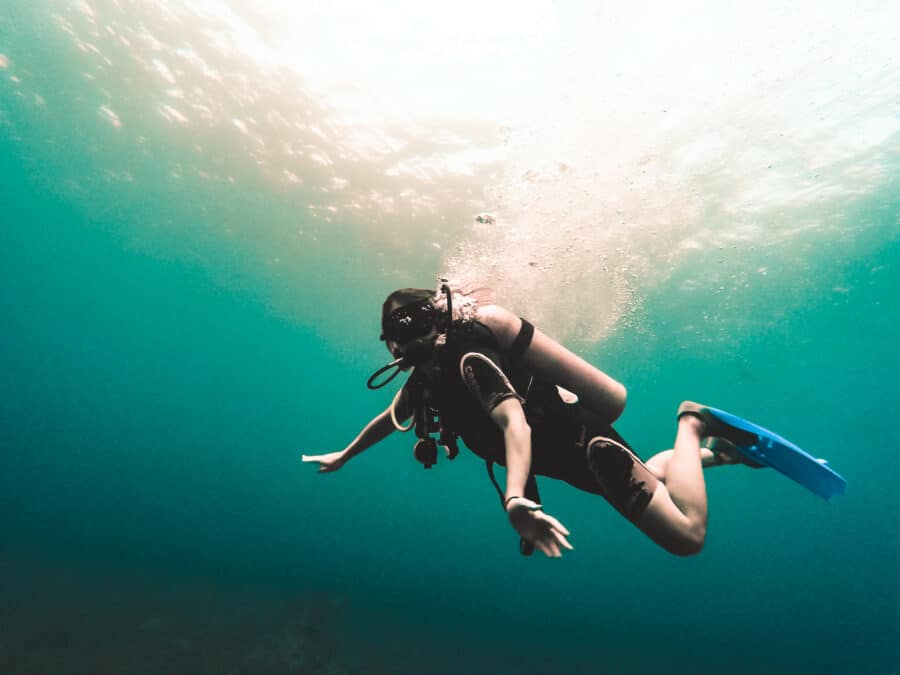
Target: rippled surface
x=613, y=145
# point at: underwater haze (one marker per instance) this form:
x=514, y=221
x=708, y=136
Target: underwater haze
x=205, y=203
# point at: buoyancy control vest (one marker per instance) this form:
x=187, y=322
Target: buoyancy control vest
x=443, y=405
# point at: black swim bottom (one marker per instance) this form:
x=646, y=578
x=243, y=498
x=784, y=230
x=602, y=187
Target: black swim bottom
x=607, y=467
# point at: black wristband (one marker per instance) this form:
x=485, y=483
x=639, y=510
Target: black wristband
x=509, y=499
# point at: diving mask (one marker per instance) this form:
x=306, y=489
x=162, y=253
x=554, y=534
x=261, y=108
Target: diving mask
x=408, y=323
x=409, y=320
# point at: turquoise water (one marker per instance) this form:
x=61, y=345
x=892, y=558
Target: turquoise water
x=179, y=325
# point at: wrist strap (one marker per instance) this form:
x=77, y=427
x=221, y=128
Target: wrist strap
x=536, y=507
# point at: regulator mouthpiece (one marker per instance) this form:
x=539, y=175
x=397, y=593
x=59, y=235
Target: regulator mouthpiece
x=417, y=353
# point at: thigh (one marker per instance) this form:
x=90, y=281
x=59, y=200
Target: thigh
x=560, y=452
x=624, y=480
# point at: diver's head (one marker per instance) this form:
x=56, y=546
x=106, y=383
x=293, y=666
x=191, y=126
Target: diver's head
x=411, y=325
x=408, y=316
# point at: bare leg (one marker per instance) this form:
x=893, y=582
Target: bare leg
x=659, y=463
x=685, y=472
x=676, y=516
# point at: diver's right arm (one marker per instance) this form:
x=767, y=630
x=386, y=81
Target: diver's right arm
x=377, y=430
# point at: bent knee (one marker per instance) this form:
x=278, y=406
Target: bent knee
x=690, y=543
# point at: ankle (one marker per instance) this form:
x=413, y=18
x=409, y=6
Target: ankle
x=692, y=423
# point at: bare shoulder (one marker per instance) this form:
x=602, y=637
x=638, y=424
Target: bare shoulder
x=503, y=324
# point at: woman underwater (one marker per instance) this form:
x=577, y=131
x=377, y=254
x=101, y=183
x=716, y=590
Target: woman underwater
x=519, y=398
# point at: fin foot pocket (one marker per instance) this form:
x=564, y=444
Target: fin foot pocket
x=723, y=448
x=715, y=426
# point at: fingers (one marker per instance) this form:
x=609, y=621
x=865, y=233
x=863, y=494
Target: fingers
x=554, y=523
x=546, y=533
x=544, y=548
x=553, y=537
x=550, y=540
x=554, y=548
x=557, y=532
x=548, y=547
x=324, y=465
x=562, y=540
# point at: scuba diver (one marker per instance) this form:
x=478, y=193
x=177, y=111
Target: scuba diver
x=518, y=398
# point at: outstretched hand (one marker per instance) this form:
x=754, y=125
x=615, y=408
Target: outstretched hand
x=541, y=529
x=331, y=461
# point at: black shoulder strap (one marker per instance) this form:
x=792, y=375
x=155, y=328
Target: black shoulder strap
x=522, y=341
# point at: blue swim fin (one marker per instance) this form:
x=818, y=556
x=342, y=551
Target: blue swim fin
x=769, y=449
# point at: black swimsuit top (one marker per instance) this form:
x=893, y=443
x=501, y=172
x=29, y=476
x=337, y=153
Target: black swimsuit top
x=471, y=375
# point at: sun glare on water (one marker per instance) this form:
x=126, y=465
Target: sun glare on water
x=632, y=134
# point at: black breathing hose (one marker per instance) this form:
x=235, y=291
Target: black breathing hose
x=397, y=363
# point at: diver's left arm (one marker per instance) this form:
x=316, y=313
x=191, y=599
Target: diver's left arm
x=550, y=360
x=527, y=517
